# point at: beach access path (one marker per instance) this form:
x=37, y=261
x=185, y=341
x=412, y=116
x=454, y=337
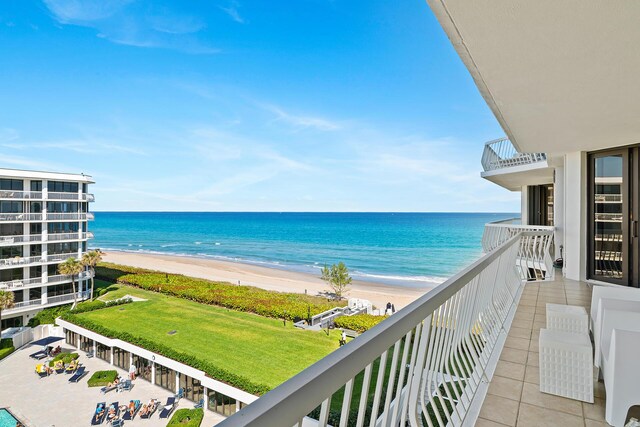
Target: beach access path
x=263, y=277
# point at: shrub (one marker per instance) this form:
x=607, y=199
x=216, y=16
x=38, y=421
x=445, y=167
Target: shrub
x=6, y=343
x=280, y=305
x=48, y=315
x=65, y=357
x=187, y=418
x=102, y=378
x=359, y=322
x=210, y=369
x=5, y=351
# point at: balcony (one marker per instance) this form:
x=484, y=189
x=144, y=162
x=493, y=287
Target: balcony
x=429, y=364
x=69, y=216
x=13, y=285
x=507, y=167
x=40, y=195
x=16, y=262
x=51, y=301
x=17, y=240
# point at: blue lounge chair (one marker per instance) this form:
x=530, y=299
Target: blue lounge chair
x=127, y=414
x=105, y=389
x=117, y=422
x=38, y=355
x=151, y=410
x=180, y=394
x=116, y=411
x=99, y=414
x=168, y=407
x=200, y=404
x=80, y=372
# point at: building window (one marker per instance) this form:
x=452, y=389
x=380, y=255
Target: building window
x=11, y=274
x=35, y=294
x=11, y=229
x=121, y=358
x=143, y=367
x=62, y=207
x=71, y=338
x=11, y=207
x=103, y=352
x=35, y=207
x=166, y=378
x=191, y=387
x=63, y=289
x=18, y=296
x=221, y=403
x=62, y=187
x=86, y=344
x=36, y=185
x=10, y=252
x=62, y=248
x=14, y=322
x=11, y=184
x=63, y=227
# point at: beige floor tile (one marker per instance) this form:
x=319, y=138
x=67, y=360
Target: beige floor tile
x=505, y=387
x=532, y=375
x=526, y=324
x=524, y=316
x=532, y=395
x=510, y=370
x=594, y=423
x=598, y=389
x=533, y=359
x=514, y=355
x=534, y=344
x=595, y=410
x=526, y=309
x=500, y=409
x=534, y=416
x=540, y=318
x=520, y=332
x=517, y=343
x=481, y=422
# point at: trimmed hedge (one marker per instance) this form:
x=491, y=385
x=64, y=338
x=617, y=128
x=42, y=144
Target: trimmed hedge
x=102, y=378
x=187, y=418
x=4, y=352
x=65, y=357
x=210, y=369
x=279, y=305
x=49, y=315
x=359, y=322
x=6, y=342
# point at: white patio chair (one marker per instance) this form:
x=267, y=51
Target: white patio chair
x=621, y=375
x=611, y=314
x=612, y=292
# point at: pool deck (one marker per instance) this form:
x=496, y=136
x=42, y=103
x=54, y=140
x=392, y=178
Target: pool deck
x=54, y=401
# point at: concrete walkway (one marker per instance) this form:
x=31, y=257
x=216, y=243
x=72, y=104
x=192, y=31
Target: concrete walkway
x=53, y=401
x=514, y=397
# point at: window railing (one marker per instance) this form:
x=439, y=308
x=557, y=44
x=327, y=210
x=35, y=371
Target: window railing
x=20, y=217
x=70, y=196
x=11, y=240
x=50, y=195
x=18, y=239
x=21, y=261
x=59, y=278
x=19, y=194
x=500, y=153
x=79, y=216
x=62, y=257
x=429, y=364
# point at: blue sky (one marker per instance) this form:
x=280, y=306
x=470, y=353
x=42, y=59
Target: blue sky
x=307, y=105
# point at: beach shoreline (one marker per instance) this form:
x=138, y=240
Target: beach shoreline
x=263, y=277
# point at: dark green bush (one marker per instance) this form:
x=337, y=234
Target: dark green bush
x=359, y=322
x=102, y=378
x=65, y=357
x=210, y=369
x=291, y=306
x=6, y=343
x=5, y=351
x=48, y=315
x=187, y=418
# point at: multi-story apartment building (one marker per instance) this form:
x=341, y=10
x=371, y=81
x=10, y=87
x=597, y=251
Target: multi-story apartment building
x=43, y=222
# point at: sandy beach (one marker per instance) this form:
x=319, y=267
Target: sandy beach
x=263, y=277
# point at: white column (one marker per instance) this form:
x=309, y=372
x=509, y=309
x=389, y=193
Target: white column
x=177, y=382
x=237, y=405
x=205, y=396
x=43, y=295
x=558, y=208
x=94, y=348
x=575, y=224
x=78, y=341
x=524, y=205
x=111, y=351
x=153, y=372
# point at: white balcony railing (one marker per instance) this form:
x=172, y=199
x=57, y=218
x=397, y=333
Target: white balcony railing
x=51, y=280
x=428, y=364
x=77, y=216
x=19, y=194
x=51, y=195
x=50, y=301
x=500, y=153
x=536, y=257
x=20, y=217
x=69, y=236
x=20, y=239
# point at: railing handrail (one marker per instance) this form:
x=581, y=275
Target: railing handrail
x=333, y=371
x=500, y=153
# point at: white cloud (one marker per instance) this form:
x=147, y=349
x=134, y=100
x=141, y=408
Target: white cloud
x=303, y=121
x=232, y=11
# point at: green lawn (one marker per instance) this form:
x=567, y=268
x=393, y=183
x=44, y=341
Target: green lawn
x=258, y=348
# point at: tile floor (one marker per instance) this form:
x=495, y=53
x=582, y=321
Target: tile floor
x=514, y=398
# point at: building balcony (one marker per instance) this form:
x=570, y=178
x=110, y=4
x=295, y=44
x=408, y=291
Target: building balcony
x=18, y=240
x=48, y=217
x=43, y=195
x=430, y=363
x=505, y=166
x=16, y=262
x=24, y=306
x=14, y=285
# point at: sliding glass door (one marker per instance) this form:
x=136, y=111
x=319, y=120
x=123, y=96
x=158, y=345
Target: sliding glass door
x=613, y=243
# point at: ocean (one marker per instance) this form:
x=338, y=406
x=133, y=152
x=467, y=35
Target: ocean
x=407, y=249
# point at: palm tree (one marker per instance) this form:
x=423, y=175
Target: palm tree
x=91, y=259
x=6, y=302
x=71, y=267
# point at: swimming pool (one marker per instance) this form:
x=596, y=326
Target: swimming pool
x=7, y=419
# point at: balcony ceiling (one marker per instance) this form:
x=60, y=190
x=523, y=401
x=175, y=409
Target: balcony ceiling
x=560, y=76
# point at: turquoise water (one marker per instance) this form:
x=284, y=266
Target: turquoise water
x=411, y=249
x=6, y=419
